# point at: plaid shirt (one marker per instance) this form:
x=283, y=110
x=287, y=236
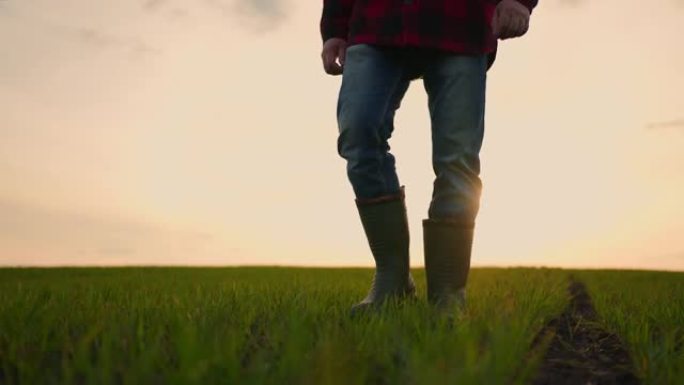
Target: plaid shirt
x=460, y=26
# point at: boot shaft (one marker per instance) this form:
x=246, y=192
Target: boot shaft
x=447, y=248
x=385, y=224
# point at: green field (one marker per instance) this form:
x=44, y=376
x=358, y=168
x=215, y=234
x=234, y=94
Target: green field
x=647, y=310
x=291, y=326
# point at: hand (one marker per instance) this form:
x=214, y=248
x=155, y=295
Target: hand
x=333, y=49
x=511, y=19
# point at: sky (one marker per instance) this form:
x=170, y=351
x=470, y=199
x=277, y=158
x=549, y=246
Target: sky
x=203, y=132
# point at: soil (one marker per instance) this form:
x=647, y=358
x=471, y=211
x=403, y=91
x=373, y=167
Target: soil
x=580, y=351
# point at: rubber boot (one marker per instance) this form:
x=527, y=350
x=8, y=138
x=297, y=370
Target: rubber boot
x=447, y=247
x=386, y=226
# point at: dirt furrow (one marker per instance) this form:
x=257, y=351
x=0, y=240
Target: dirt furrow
x=581, y=352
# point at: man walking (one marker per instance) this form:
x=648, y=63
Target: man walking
x=379, y=47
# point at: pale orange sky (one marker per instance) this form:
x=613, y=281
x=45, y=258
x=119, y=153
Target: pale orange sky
x=203, y=132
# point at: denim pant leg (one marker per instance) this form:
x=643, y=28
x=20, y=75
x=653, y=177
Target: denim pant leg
x=456, y=96
x=374, y=82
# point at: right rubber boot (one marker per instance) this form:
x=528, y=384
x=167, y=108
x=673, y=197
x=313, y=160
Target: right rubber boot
x=447, y=245
x=386, y=226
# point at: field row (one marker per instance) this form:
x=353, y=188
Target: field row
x=287, y=325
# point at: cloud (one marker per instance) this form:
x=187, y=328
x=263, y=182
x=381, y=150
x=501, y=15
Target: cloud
x=671, y=124
x=255, y=15
x=93, y=36
x=572, y=3
x=270, y=9
x=166, y=7
x=96, y=37
x=153, y=5
x=101, y=39
x=4, y=7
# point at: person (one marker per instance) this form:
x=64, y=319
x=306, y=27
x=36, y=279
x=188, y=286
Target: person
x=379, y=47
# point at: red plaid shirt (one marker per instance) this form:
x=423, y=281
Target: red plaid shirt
x=460, y=26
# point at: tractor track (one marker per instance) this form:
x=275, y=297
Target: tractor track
x=581, y=352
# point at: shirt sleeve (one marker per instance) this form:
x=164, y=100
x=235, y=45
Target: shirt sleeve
x=335, y=18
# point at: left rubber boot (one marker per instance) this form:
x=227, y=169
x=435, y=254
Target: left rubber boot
x=386, y=226
x=447, y=246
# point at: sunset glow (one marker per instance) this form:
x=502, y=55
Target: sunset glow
x=162, y=132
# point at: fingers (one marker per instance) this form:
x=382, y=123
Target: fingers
x=332, y=50
x=510, y=20
x=511, y=25
x=521, y=23
x=342, y=54
x=525, y=25
x=329, y=64
x=505, y=25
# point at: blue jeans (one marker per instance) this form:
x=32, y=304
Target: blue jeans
x=374, y=82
